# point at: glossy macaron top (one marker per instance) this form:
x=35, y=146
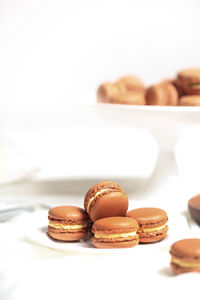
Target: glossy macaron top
x=186, y=249
x=105, y=187
x=67, y=213
x=150, y=216
x=116, y=223
x=190, y=74
x=194, y=202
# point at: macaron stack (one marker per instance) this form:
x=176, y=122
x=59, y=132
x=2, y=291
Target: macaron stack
x=106, y=205
x=110, y=226
x=126, y=90
x=188, y=85
x=184, y=90
x=164, y=93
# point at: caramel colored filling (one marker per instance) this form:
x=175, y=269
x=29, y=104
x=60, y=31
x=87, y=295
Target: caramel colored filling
x=152, y=229
x=95, y=196
x=69, y=227
x=194, y=84
x=112, y=236
x=181, y=263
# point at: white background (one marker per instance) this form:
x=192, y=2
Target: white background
x=53, y=51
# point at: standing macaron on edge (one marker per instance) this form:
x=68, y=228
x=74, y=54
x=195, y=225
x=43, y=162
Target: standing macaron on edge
x=105, y=199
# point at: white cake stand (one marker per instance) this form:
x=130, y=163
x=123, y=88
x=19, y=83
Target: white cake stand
x=164, y=123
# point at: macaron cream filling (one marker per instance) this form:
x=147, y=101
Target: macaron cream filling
x=194, y=84
x=186, y=264
x=152, y=229
x=112, y=236
x=67, y=227
x=95, y=196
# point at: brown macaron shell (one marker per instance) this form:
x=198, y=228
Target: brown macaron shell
x=149, y=217
x=180, y=270
x=155, y=95
x=188, y=81
x=172, y=94
x=113, y=226
x=162, y=94
x=108, y=90
x=192, y=100
x=110, y=203
x=132, y=83
x=130, y=98
x=185, y=251
x=194, y=208
x=173, y=82
x=68, y=215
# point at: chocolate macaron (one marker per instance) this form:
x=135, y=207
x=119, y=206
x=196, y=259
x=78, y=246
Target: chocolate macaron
x=185, y=256
x=108, y=90
x=152, y=223
x=132, y=83
x=188, y=81
x=115, y=232
x=162, y=94
x=106, y=199
x=194, y=208
x=129, y=98
x=67, y=223
x=192, y=100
